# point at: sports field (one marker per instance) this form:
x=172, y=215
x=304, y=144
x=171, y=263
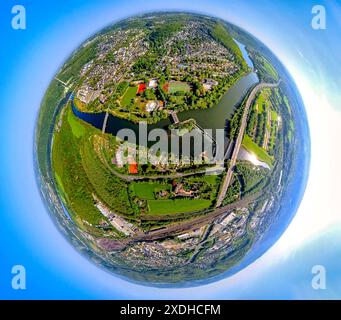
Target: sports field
x=178, y=86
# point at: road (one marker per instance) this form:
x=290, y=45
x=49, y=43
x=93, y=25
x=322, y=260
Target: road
x=229, y=174
x=62, y=82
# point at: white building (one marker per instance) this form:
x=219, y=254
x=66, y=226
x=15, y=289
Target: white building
x=152, y=83
x=151, y=106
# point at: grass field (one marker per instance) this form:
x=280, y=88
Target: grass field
x=160, y=207
x=212, y=179
x=286, y=101
x=60, y=184
x=273, y=115
x=266, y=67
x=271, y=70
x=70, y=177
x=77, y=129
x=146, y=190
x=178, y=86
x=110, y=189
x=263, y=100
x=258, y=151
x=291, y=125
x=128, y=95
x=260, y=108
x=289, y=136
x=79, y=173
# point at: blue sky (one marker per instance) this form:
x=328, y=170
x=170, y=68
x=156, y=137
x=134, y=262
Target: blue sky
x=30, y=58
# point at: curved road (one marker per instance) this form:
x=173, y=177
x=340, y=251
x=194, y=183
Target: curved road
x=229, y=174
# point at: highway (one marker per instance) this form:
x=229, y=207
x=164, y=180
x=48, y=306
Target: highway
x=229, y=174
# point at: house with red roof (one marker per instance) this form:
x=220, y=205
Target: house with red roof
x=133, y=168
x=141, y=88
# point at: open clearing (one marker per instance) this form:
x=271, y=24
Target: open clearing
x=147, y=190
x=77, y=129
x=128, y=96
x=157, y=207
x=259, y=152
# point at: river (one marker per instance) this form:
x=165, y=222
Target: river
x=246, y=57
x=215, y=117
x=212, y=118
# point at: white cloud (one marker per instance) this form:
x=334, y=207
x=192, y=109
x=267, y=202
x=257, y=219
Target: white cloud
x=320, y=207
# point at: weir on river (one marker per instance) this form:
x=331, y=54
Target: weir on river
x=174, y=116
x=105, y=122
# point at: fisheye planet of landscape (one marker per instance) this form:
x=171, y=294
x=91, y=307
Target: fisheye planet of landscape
x=172, y=149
